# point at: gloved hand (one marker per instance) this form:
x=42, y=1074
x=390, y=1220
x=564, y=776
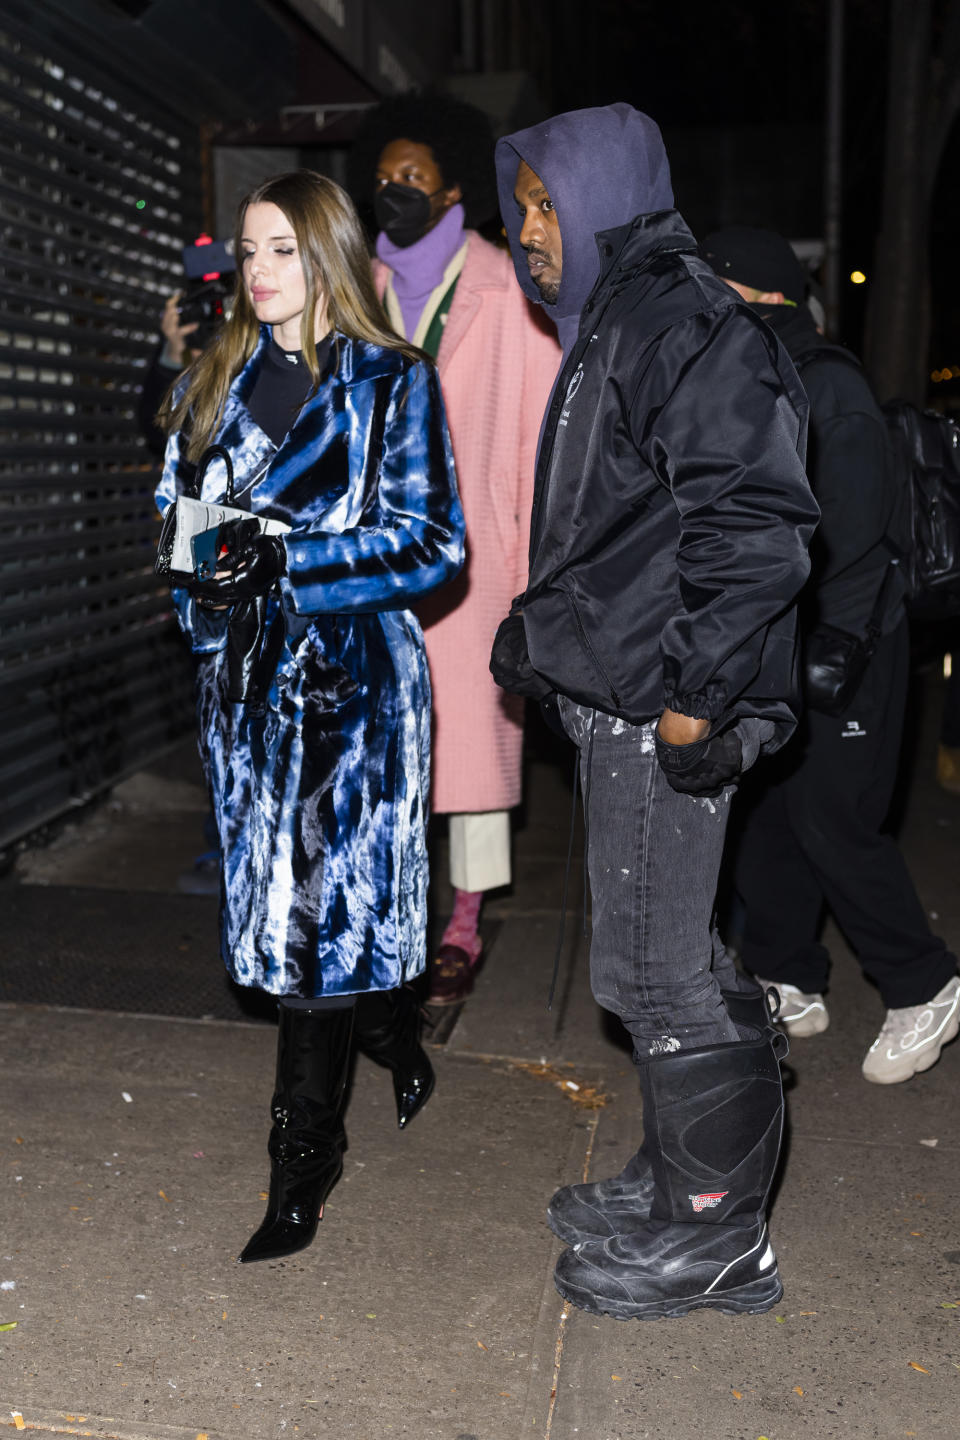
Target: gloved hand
x=257, y=563
x=510, y=663
x=703, y=767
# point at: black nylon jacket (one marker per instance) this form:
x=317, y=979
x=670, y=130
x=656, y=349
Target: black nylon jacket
x=671, y=513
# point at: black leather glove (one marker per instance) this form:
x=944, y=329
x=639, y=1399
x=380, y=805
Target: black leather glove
x=510, y=663
x=703, y=767
x=255, y=566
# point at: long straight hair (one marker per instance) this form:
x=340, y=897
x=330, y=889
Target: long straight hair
x=336, y=269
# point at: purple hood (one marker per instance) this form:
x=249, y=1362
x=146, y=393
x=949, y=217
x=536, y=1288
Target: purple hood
x=602, y=167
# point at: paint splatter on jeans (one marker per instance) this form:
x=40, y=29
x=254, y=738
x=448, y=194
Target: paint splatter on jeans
x=653, y=858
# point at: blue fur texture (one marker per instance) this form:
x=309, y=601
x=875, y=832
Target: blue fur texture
x=321, y=802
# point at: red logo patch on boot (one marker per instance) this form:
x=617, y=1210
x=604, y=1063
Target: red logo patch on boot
x=709, y=1201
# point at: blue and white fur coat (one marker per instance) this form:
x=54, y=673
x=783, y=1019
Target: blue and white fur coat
x=321, y=801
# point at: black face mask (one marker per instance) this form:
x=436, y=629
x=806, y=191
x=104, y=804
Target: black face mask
x=403, y=212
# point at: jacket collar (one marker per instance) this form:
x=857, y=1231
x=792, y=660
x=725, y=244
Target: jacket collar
x=630, y=247
x=339, y=370
x=254, y=451
x=482, y=270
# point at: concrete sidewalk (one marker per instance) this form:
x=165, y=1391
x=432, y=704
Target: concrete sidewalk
x=133, y=1166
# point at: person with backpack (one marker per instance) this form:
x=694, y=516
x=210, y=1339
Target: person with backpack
x=811, y=820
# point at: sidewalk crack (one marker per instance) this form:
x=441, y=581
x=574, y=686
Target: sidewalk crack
x=567, y=1306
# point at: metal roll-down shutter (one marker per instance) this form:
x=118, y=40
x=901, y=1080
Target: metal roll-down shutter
x=99, y=189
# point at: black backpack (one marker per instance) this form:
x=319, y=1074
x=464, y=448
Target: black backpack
x=926, y=446
x=926, y=451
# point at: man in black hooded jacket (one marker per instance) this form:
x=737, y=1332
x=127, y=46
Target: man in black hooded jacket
x=670, y=524
x=814, y=829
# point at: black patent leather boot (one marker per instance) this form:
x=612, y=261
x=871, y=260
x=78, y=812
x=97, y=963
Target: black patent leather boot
x=598, y=1209
x=307, y=1139
x=388, y=1030
x=714, y=1121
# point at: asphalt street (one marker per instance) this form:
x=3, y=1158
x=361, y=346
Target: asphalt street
x=133, y=1124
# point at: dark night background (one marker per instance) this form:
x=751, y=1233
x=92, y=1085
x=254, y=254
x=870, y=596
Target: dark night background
x=740, y=91
x=757, y=74
x=215, y=94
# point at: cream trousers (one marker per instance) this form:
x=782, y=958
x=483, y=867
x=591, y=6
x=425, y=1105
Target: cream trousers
x=480, y=850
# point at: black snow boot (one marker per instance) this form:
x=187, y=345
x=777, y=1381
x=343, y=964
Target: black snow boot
x=388, y=1030
x=307, y=1139
x=714, y=1119
x=599, y=1209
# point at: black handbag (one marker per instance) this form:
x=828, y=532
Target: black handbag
x=254, y=641
x=189, y=516
x=835, y=661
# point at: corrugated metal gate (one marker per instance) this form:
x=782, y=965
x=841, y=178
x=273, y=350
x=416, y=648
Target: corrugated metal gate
x=99, y=188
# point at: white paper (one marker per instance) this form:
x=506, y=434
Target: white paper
x=195, y=516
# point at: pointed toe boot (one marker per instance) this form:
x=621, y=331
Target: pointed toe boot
x=307, y=1139
x=388, y=1031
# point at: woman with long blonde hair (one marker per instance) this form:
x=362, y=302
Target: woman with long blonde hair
x=313, y=693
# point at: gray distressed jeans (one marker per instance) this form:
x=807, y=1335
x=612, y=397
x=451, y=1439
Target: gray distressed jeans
x=653, y=858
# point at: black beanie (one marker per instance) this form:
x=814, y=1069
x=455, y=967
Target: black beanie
x=761, y=259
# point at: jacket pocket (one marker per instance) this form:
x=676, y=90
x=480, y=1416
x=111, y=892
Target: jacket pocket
x=591, y=652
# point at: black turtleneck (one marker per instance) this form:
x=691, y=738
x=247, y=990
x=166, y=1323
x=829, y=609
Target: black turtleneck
x=281, y=388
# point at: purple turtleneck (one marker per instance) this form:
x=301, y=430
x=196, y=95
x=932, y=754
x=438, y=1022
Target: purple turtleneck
x=418, y=269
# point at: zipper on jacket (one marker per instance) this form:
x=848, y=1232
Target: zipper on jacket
x=592, y=653
x=575, y=358
x=545, y=458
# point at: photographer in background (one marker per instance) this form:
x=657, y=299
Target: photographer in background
x=174, y=355
x=191, y=317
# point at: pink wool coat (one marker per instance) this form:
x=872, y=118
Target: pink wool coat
x=498, y=360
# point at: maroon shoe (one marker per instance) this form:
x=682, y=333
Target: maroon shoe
x=451, y=975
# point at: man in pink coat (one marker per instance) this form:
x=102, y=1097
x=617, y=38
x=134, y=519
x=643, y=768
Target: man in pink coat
x=428, y=162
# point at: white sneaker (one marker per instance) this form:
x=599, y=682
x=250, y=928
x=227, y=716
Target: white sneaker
x=800, y=1014
x=912, y=1038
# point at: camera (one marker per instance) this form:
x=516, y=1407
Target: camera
x=205, y=301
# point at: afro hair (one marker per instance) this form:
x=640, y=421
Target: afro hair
x=459, y=135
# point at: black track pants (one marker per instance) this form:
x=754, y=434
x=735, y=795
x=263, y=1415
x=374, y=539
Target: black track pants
x=811, y=837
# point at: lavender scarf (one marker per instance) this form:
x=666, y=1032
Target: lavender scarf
x=418, y=269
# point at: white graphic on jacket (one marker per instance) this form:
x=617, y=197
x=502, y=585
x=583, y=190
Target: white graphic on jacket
x=575, y=383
